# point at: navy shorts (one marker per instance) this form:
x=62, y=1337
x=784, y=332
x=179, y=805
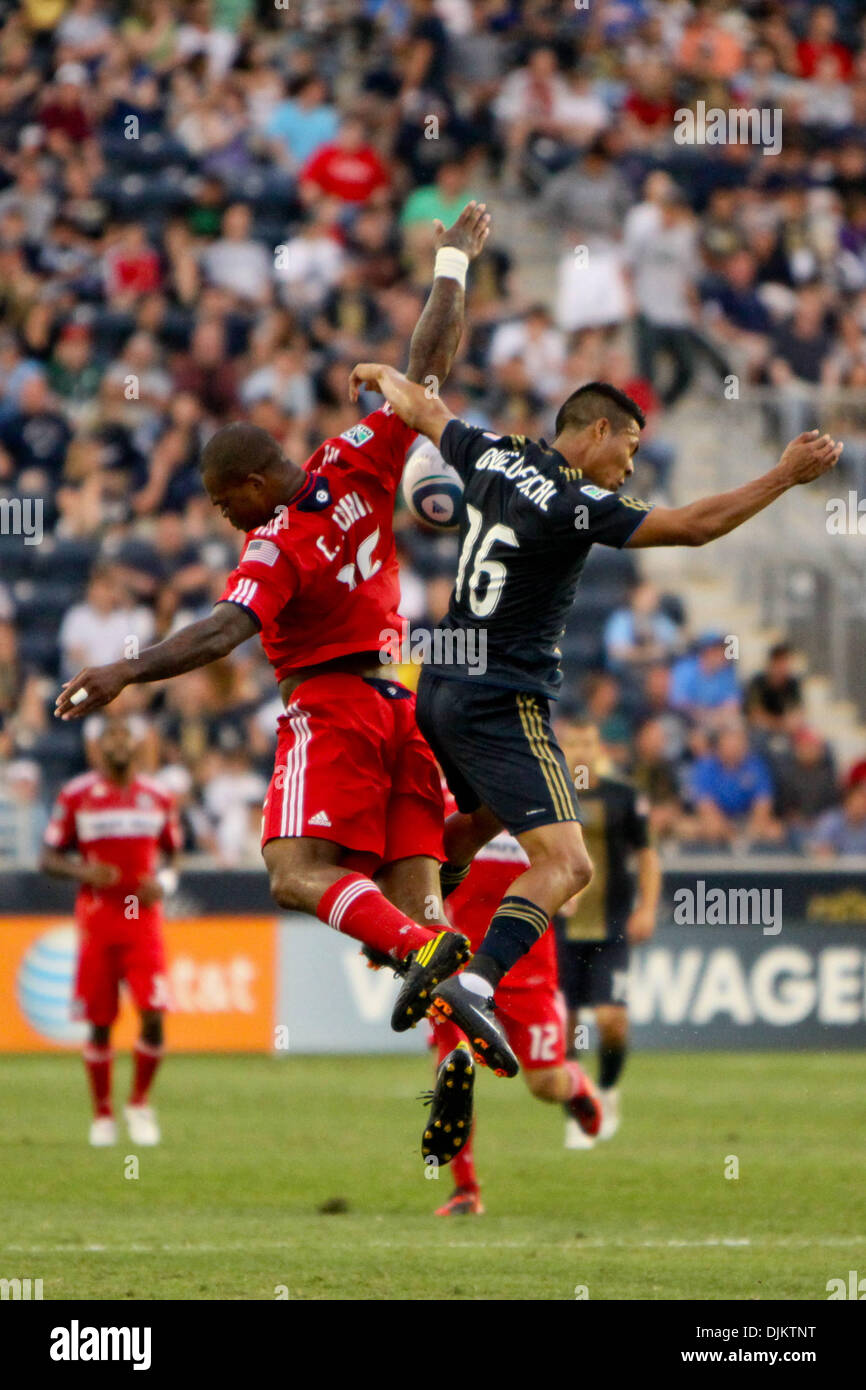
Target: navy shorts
x=592, y=972
x=497, y=749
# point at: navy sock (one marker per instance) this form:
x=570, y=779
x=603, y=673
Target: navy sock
x=516, y=925
x=611, y=1062
x=451, y=876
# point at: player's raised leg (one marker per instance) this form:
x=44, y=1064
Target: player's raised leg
x=307, y=875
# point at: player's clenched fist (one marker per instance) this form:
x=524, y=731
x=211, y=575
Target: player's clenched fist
x=810, y=455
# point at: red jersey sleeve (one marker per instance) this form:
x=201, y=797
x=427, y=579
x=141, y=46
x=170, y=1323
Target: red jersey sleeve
x=60, y=831
x=264, y=580
x=379, y=444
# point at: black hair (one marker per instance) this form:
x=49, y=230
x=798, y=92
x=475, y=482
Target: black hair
x=595, y=401
x=237, y=450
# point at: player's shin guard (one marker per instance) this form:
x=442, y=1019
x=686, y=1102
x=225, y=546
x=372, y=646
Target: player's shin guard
x=98, y=1061
x=146, y=1058
x=355, y=906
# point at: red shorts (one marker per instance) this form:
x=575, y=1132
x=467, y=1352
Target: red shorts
x=534, y=1023
x=352, y=767
x=104, y=961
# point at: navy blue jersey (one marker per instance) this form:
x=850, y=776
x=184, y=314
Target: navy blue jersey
x=526, y=526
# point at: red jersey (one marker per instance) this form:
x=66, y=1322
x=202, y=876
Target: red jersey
x=322, y=579
x=122, y=825
x=471, y=906
x=351, y=176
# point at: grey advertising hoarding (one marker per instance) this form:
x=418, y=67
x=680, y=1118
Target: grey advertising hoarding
x=329, y=999
x=691, y=987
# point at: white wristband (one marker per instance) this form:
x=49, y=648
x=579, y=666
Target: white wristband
x=451, y=263
x=167, y=880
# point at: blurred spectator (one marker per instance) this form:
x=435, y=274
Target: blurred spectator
x=303, y=123
x=655, y=773
x=640, y=635
x=349, y=170
x=704, y=684
x=236, y=262
x=104, y=627
x=843, y=831
x=806, y=783
x=774, y=693
x=732, y=792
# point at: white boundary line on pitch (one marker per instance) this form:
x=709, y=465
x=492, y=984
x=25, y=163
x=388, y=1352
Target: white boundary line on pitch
x=593, y=1243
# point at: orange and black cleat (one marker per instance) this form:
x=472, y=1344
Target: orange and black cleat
x=434, y=961
x=380, y=960
x=464, y=1201
x=473, y=1014
x=449, y=1123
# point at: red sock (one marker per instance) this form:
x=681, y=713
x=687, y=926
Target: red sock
x=146, y=1058
x=356, y=907
x=98, y=1060
x=578, y=1078
x=463, y=1163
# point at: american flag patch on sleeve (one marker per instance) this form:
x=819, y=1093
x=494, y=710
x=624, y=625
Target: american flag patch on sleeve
x=262, y=551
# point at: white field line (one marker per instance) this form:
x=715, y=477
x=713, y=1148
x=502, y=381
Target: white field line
x=765, y=1242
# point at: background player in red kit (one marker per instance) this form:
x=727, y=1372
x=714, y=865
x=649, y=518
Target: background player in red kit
x=107, y=832
x=529, y=1006
x=355, y=790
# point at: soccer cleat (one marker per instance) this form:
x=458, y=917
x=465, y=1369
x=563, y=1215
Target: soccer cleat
x=464, y=1201
x=585, y=1108
x=473, y=1014
x=103, y=1131
x=610, y=1116
x=380, y=960
x=449, y=1123
x=434, y=961
x=142, y=1125
x=574, y=1135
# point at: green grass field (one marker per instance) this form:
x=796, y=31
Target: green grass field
x=230, y=1206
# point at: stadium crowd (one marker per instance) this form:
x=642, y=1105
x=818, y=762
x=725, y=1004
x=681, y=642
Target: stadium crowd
x=210, y=210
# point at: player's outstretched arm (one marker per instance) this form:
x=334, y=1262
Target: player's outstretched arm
x=438, y=330
x=804, y=460
x=418, y=406
x=197, y=645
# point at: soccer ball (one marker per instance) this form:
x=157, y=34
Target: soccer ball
x=432, y=489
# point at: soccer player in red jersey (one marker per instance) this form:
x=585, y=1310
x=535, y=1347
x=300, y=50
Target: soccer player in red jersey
x=355, y=790
x=529, y=1006
x=107, y=832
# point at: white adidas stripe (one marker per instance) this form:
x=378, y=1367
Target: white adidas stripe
x=345, y=900
x=244, y=591
x=296, y=771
